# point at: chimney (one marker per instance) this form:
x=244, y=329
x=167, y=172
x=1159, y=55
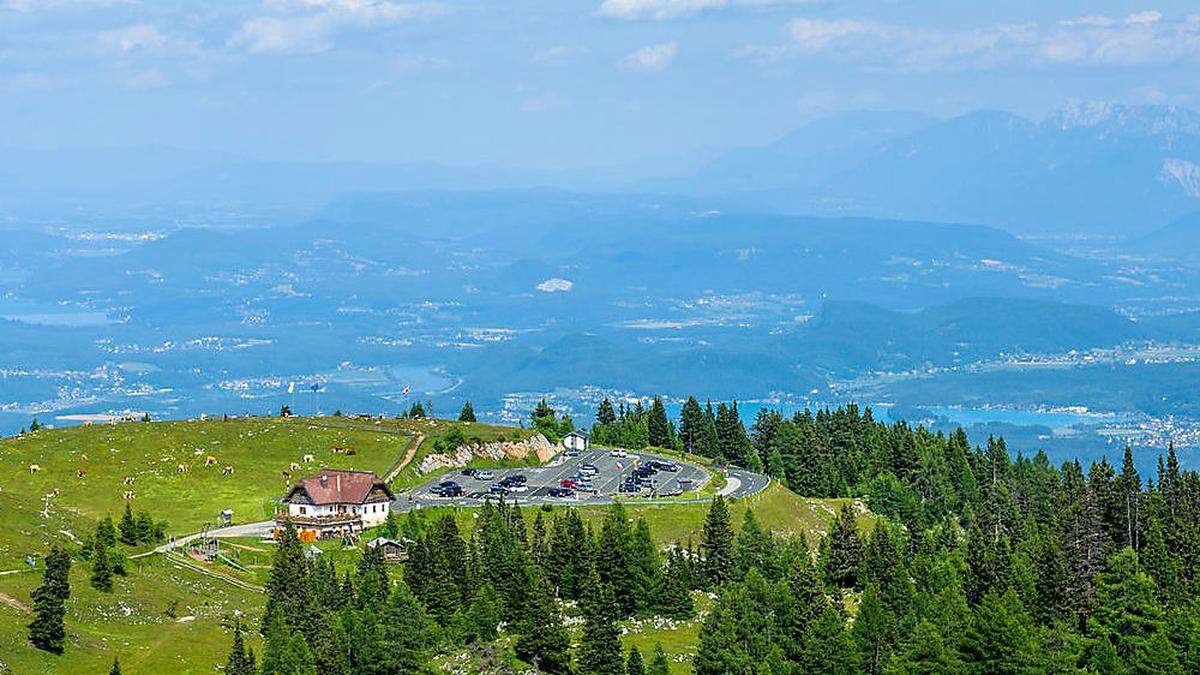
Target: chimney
x=339, y=483
x=324, y=480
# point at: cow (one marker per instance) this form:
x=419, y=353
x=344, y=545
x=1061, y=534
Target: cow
x=54, y=493
x=309, y=459
x=80, y=473
x=128, y=494
x=34, y=468
x=349, y=452
x=337, y=449
x=84, y=457
x=183, y=468
x=295, y=467
x=129, y=480
x=286, y=474
x=228, y=470
x=210, y=460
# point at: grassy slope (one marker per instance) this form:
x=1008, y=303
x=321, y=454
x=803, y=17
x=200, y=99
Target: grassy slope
x=130, y=623
x=259, y=449
x=431, y=429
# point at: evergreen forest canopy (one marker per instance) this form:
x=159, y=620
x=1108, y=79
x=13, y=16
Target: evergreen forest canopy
x=982, y=563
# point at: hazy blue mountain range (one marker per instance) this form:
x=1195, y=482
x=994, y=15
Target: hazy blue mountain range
x=1090, y=168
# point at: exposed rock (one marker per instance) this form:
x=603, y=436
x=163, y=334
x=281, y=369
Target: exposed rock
x=494, y=450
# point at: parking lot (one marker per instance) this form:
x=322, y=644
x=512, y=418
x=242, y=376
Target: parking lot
x=610, y=473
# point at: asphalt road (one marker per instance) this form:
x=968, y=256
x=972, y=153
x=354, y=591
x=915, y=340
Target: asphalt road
x=611, y=472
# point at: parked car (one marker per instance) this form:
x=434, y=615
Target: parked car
x=664, y=466
x=484, y=475
x=560, y=492
x=617, y=452
x=572, y=453
x=588, y=469
x=454, y=491
x=470, y=471
x=569, y=483
x=498, y=489
x=630, y=486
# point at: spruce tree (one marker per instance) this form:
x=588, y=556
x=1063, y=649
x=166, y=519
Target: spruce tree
x=542, y=640
x=288, y=586
x=659, y=665
x=717, y=544
x=467, y=414
x=286, y=651
x=1127, y=612
x=47, y=631
x=128, y=529
x=238, y=662
x=674, y=597
x=925, y=652
x=998, y=639
x=605, y=414
x=406, y=633
x=658, y=428
x=101, y=566
x=634, y=665
x=116, y=667
x=600, y=644
x=843, y=551
x=485, y=613
x=692, y=426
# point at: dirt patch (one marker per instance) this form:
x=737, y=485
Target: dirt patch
x=6, y=599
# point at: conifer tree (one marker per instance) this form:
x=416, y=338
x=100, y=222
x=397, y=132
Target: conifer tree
x=116, y=667
x=239, y=662
x=485, y=613
x=542, y=640
x=288, y=587
x=1127, y=612
x=634, y=664
x=286, y=651
x=128, y=528
x=467, y=414
x=47, y=631
x=692, y=426
x=101, y=566
x=674, y=597
x=406, y=633
x=644, y=566
x=600, y=644
x=659, y=664
x=925, y=653
x=658, y=428
x=843, y=553
x=605, y=414
x=998, y=640
x=717, y=544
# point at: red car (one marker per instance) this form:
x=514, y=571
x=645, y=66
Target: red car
x=568, y=483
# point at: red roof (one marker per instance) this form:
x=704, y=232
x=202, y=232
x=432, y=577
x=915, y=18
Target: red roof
x=339, y=487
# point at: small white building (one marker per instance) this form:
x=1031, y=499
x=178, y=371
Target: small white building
x=576, y=440
x=335, y=503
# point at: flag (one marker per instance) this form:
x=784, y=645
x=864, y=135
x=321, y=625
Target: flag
x=620, y=465
x=406, y=390
x=315, y=387
x=292, y=388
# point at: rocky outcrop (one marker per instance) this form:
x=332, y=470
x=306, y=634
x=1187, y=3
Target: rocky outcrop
x=494, y=450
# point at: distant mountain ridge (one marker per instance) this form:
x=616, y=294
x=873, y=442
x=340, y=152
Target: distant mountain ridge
x=1091, y=167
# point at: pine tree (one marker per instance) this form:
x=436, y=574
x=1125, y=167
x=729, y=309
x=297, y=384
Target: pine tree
x=998, y=639
x=406, y=633
x=485, y=613
x=659, y=664
x=286, y=652
x=645, y=566
x=926, y=653
x=717, y=544
x=288, y=586
x=1127, y=612
x=605, y=414
x=467, y=414
x=674, y=597
x=238, y=662
x=101, y=566
x=658, y=428
x=871, y=628
x=844, y=551
x=755, y=549
x=128, y=528
x=692, y=426
x=47, y=631
x=116, y=667
x=542, y=640
x=600, y=644
x=634, y=665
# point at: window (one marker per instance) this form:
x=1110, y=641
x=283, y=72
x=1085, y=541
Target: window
x=302, y=510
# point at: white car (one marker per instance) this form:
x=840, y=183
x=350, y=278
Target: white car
x=517, y=488
x=618, y=453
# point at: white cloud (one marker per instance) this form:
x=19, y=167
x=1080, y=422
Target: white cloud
x=134, y=38
x=1142, y=38
x=663, y=10
x=308, y=26
x=559, y=53
x=556, y=285
x=651, y=59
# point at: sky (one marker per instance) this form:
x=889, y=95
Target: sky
x=556, y=83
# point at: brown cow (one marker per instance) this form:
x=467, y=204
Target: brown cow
x=210, y=460
x=350, y=452
x=286, y=474
x=80, y=473
x=128, y=494
x=183, y=468
x=228, y=470
x=129, y=480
